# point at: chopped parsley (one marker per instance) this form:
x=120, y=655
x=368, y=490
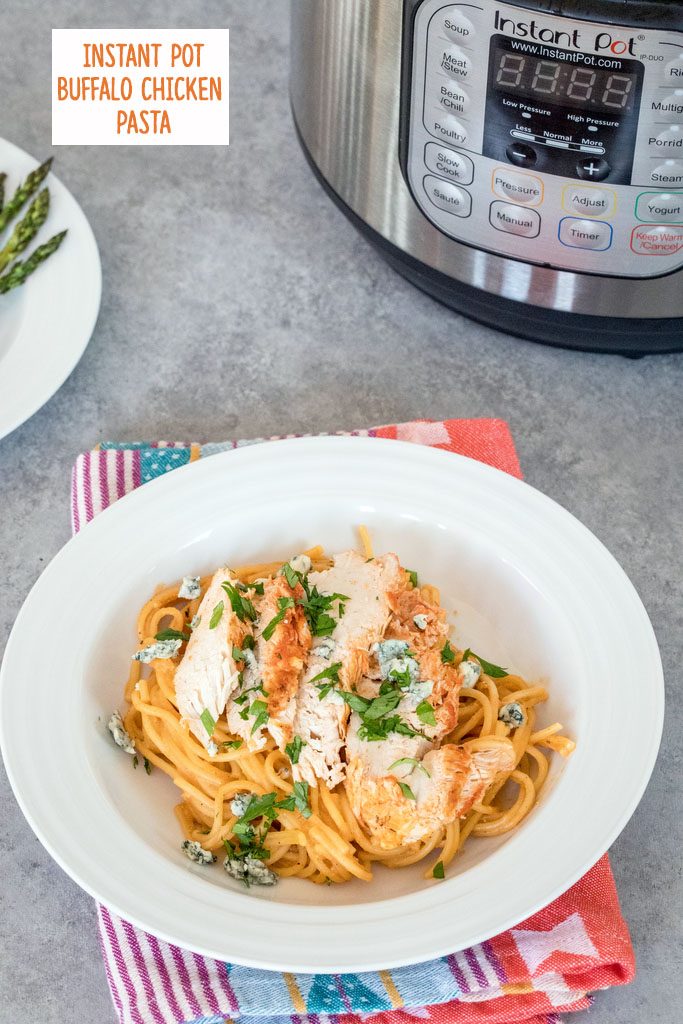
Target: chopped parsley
x=256, y=587
x=172, y=634
x=407, y=791
x=258, y=711
x=232, y=745
x=251, y=837
x=331, y=675
x=136, y=761
x=284, y=604
x=487, y=667
x=425, y=712
x=438, y=870
x=412, y=763
x=208, y=721
x=447, y=654
x=298, y=800
x=293, y=749
x=241, y=605
x=216, y=615
x=290, y=575
x=317, y=607
x=412, y=576
x=148, y=767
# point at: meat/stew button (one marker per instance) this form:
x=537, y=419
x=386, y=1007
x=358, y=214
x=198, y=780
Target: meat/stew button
x=657, y=239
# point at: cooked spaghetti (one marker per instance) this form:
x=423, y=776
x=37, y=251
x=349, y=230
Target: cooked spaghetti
x=313, y=831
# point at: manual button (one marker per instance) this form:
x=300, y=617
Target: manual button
x=515, y=185
x=591, y=202
x=514, y=220
x=447, y=196
x=658, y=207
x=585, y=234
x=448, y=164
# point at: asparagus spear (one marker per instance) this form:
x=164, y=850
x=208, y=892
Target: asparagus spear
x=26, y=229
x=3, y=178
x=23, y=193
x=21, y=270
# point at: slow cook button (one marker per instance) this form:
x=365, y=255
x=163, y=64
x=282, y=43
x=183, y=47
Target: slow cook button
x=514, y=220
x=448, y=164
x=585, y=234
x=591, y=202
x=522, y=188
x=668, y=173
x=455, y=62
x=656, y=240
x=660, y=206
x=448, y=197
x=449, y=128
x=457, y=26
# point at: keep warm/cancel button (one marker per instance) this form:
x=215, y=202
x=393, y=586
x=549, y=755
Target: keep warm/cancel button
x=657, y=239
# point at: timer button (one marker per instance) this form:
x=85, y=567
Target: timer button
x=514, y=220
x=521, y=188
x=448, y=197
x=658, y=207
x=448, y=164
x=593, y=168
x=521, y=154
x=585, y=234
x=457, y=27
x=455, y=63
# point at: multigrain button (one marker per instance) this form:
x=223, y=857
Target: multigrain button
x=448, y=164
x=585, y=234
x=591, y=202
x=522, y=188
x=656, y=240
x=457, y=26
x=448, y=128
x=455, y=62
x=453, y=97
x=669, y=107
x=514, y=220
x=668, y=173
x=448, y=197
x=668, y=141
x=658, y=207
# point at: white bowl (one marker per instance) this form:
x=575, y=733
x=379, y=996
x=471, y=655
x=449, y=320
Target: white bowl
x=528, y=587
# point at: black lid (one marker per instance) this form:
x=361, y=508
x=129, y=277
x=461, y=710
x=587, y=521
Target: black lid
x=657, y=14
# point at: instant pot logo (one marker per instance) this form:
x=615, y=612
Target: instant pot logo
x=599, y=42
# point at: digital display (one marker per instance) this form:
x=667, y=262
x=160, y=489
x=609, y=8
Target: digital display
x=562, y=82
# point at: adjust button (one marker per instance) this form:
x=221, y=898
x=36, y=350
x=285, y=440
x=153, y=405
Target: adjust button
x=659, y=207
x=514, y=220
x=448, y=164
x=656, y=240
x=585, y=234
x=448, y=197
x=455, y=63
x=457, y=26
x=589, y=201
x=448, y=128
x=668, y=173
x=515, y=185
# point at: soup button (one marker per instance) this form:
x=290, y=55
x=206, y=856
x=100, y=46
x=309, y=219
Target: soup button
x=448, y=197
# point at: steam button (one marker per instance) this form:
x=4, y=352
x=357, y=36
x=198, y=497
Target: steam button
x=448, y=197
x=593, y=168
x=669, y=173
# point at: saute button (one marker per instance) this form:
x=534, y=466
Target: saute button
x=455, y=62
x=591, y=202
x=668, y=173
x=656, y=240
x=522, y=188
x=585, y=234
x=456, y=26
x=449, y=128
x=515, y=220
x=660, y=207
x=448, y=164
x=448, y=197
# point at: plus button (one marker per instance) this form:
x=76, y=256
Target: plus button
x=593, y=169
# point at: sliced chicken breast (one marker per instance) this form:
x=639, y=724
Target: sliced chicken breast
x=321, y=723
x=207, y=673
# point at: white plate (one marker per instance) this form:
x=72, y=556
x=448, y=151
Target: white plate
x=46, y=324
x=533, y=590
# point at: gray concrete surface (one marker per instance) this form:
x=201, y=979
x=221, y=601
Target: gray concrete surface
x=237, y=302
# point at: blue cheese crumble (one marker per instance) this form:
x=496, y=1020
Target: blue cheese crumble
x=160, y=649
x=300, y=564
x=512, y=714
x=190, y=587
x=239, y=804
x=469, y=672
x=420, y=621
x=250, y=871
x=196, y=853
x=393, y=658
x=325, y=648
x=119, y=734
x=195, y=621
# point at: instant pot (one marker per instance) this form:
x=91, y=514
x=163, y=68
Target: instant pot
x=520, y=162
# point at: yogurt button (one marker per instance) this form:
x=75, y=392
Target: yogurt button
x=585, y=234
x=658, y=207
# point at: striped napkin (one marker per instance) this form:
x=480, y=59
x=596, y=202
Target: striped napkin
x=547, y=965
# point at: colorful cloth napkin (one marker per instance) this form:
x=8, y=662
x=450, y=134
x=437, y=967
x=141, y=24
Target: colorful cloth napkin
x=548, y=964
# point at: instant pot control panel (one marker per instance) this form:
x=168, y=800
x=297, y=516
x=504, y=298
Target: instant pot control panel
x=548, y=139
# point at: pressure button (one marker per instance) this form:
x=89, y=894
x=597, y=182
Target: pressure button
x=521, y=188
